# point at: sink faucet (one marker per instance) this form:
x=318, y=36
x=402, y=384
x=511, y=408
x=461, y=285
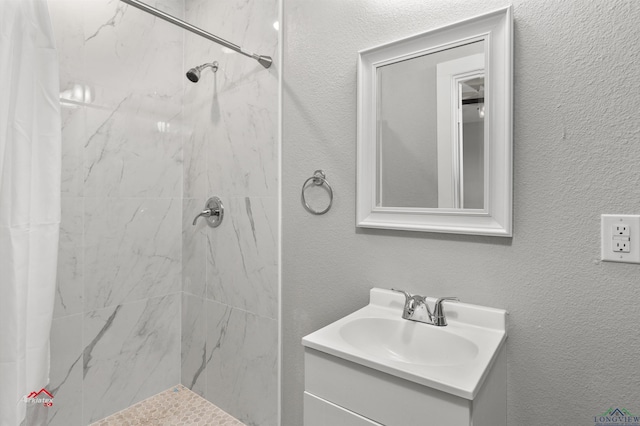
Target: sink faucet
x=417, y=309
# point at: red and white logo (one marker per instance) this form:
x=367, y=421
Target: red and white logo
x=43, y=397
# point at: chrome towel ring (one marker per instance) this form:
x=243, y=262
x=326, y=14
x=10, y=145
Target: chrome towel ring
x=319, y=178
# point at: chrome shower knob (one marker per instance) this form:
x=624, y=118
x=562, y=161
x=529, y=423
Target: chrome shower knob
x=213, y=212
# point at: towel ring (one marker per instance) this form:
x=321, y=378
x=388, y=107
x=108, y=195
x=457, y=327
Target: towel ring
x=318, y=178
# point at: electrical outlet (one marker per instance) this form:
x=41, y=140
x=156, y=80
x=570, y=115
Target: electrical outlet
x=621, y=245
x=620, y=238
x=621, y=229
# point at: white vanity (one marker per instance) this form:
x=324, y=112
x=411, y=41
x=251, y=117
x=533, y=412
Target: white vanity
x=375, y=368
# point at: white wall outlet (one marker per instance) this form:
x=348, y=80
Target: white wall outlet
x=621, y=245
x=620, y=238
x=621, y=229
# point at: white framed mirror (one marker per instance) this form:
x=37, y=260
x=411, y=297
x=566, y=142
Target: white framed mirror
x=435, y=130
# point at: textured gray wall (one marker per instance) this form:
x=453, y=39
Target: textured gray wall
x=573, y=347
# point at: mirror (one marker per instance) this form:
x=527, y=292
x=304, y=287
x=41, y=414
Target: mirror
x=419, y=102
x=434, y=130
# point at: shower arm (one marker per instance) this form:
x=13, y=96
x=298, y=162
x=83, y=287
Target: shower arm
x=265, y=61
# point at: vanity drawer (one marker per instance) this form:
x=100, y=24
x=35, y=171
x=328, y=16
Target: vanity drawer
x=318, y=412
x=378, y=396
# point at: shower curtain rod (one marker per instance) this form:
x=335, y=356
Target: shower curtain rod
x=265, y=61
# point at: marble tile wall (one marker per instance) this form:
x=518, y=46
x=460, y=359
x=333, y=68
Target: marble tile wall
x=230, y=273
x=116, y=332
x=144, y=299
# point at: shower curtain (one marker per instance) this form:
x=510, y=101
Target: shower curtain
x=30, y=166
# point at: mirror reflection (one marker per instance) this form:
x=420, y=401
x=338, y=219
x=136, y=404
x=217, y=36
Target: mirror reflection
x=430, y=130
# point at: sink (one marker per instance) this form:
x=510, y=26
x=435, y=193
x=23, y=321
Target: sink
x=407, y=341
x=453, y=359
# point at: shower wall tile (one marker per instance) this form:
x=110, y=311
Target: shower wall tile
x=234, y=111
x=243, y=159
x=247, y=23
x=194, y=349
x=132, y=250
x=69, y=287
x=131, y=352
x=195, y=164
x=122, y=83
x=242, y=371
x=232, y=153
x=130, y=50
x=242, y=258
x=73, y=133
x=200, y=117
x=66, y=371
x=194, y=248
x=132, y=150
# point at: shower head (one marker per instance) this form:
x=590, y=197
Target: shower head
x=194, y=73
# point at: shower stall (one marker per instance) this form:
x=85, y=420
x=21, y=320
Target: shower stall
x=146, y=300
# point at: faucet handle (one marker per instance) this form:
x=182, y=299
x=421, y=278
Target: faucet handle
x=203, y=213
x=438, y=315
x=407, y=295
x=409, y=303
x=442, y=299
x=213, y=211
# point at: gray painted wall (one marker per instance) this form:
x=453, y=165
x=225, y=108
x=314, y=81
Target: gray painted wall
x=573, y=339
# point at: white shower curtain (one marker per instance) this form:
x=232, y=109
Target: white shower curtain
x=29, y=200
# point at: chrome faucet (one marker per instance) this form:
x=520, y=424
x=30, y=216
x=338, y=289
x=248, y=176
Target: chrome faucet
x=417, y=309
x=438, y=314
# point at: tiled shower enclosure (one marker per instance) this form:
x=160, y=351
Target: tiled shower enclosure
x=146, y=300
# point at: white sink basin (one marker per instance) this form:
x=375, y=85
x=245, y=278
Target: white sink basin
x=408, y=341
x=454, y=359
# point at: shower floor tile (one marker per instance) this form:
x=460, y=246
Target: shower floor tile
x=176, y=406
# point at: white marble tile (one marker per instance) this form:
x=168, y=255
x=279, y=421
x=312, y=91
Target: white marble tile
x=242, y=149
x=126, y=48
x=233, y=117
x=131, y=352
x=195, y=164
x=194, y=248
x=242, y=371
x=236, y=108
x=242, y=257
x=134, y=142
x=194, y=349
x=132, y=250
x=249, y=24
x=70, y=279
x=66, y=371
x=36, y=415
x=132, y=150
x=73, y=136
x=65, y=375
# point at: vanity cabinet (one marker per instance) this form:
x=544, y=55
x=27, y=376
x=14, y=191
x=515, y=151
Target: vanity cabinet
x=341, y=392
x=374, y=367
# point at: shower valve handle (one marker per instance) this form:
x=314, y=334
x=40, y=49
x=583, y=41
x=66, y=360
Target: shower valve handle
x=204, y=213
x=213, y=212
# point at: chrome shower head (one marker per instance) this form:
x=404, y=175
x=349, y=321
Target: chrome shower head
x=194, y=73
